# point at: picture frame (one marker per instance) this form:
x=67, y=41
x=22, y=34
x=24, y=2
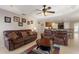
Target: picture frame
x=16, y=19
x=7, y=19
x=23, y=20
x=31, y=22
x=28, y=22
x=20, y=23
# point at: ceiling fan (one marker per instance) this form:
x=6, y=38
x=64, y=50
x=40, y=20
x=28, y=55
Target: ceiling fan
x=45, y=10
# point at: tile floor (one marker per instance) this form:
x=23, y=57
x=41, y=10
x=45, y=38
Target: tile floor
x=72, y=48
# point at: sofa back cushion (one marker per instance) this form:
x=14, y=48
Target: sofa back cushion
x=24, y=34
x=47, y=32
x=12, y=35
x=61, y=34
x=30, y=33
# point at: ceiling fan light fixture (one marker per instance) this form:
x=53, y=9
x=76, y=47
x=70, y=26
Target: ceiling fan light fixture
x=45, y=10
x=44, y=5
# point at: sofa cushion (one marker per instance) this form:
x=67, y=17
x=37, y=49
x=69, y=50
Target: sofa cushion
x=24, y=34
x=60, y=34
x=19, y=40
x=12, y=35
x=30, y=33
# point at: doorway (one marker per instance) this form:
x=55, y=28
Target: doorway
x=76, y=27
x=76, y=32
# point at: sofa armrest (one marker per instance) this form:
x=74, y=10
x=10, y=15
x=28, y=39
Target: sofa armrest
x=9, y=44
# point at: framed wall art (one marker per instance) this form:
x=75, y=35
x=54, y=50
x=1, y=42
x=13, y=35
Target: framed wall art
x=31, y=22
x=16, y=19
x=20, y=23
x=7, y=19
x=28, y=22
x=23, y=20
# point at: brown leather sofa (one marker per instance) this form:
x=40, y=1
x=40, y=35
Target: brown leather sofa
x=16, y=38
x=61, y=38
x=58, y=37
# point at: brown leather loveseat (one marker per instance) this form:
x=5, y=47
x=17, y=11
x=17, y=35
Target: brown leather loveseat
x=16, y=38
x=58, y=37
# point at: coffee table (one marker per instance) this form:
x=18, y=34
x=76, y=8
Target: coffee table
x=55, y=49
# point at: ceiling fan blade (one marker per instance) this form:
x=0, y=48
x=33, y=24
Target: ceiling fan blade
x=38, y=10
x=48, y=8
x=50, y=11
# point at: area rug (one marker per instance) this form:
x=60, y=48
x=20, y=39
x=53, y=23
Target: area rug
x=29, y=50
x=32, y=51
